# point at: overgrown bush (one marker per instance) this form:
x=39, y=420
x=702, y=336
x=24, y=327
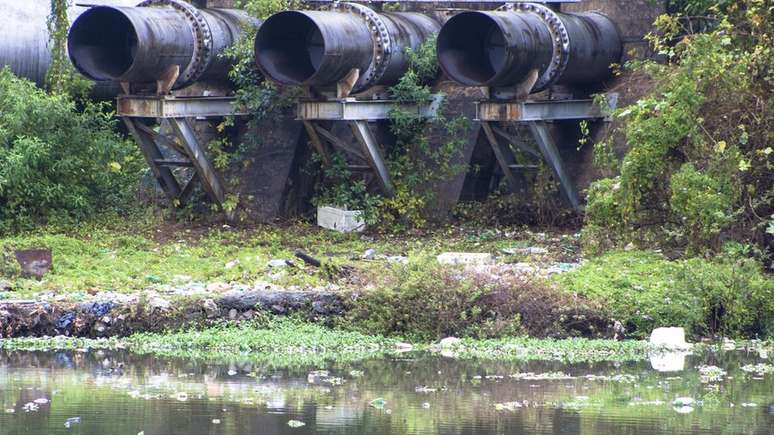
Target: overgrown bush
x=728, y=295
x=427, y=301
x=700, y=166
x=58, y=161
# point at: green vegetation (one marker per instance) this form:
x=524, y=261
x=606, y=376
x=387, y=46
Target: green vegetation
x=420, y=300
x=287, y=342
x=59, y=162
x=696, y=181
x=644, y=290
x=569, y=351
x=62, y=77
x=424, y=301
x=698, y=170
x=279, y=342
x=130, y=254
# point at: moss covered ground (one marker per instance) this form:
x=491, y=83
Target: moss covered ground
x=116, y=254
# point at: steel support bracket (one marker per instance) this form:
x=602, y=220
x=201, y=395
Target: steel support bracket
x=536, y=115
x=317, y=117
x=179, y=114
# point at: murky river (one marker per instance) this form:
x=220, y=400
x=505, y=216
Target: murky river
x=100, y=392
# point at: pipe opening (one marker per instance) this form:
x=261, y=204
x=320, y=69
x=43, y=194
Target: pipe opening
x=102, y=43
x=472, y=48
x=290, y=47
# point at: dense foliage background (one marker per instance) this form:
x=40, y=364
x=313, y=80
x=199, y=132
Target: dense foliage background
x=58, y=160
x=699, y=171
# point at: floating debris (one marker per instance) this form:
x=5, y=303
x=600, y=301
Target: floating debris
x=215, y=421
x=313, y=376
x=426, y=405
x=323, y=376
x=530, y=376
x=683, y=405
x=623, y=378
x=30, y=407
x=758, y=369
x=182, y=396
x=403, y=347
x=508, y=406
x=646, y=403
x=295, y=423
x=425, y=389
x=72, y=421
x=41, y=401
x=377, y=403
x=711, y=374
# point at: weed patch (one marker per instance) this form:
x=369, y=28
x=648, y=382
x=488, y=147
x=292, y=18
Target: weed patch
x=426, y=301
x=644, y=290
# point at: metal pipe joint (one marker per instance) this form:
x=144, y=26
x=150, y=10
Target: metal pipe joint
x=319, y=48
x=528, y=41
x=139, y=44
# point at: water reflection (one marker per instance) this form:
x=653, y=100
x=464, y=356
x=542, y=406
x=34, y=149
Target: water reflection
x=668, y=361
x=121, y=393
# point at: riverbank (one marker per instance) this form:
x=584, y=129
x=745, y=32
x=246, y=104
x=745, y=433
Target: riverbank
x=117, y=278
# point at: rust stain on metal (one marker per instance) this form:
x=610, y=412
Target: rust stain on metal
x=138, y=107
x=309, y=110
x=500, y=111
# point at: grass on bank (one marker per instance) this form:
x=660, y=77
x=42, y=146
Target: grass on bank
x=728, y=295
x=421, y=300
x=120, y=255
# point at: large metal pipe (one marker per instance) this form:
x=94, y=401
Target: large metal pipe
x=506, y=48
x=140, y=44
x=319, y=48
x=25, y=43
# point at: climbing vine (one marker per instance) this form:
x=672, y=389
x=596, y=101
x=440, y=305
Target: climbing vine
x=61, y=77
x=416, y=163
x=259, y=97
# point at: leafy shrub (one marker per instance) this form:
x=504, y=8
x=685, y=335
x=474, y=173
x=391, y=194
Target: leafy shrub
x=644, y=291
x=735, y=298
x=425, y=301
x=703, y=202
x=699, y=165
x=57, y=161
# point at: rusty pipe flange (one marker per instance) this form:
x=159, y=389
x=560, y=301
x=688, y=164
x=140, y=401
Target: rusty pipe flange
x=203, y=51
x=380, y=38
x=561, y=42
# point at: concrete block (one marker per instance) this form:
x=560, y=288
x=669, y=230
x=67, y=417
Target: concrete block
x=673, y=338
x=341, y=220
x=467, y=258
